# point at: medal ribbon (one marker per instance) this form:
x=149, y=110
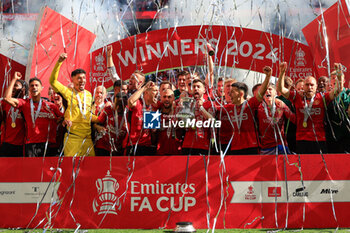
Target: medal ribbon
x=307, y=108
x=273, y=111
x=14, y=114
x=82, y=111
x=36, y=114
x=239, y=120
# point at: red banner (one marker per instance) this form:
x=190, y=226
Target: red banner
x=7, y=68
x=158, y=191
x=54, y=35
x=333, y=27
x=184, y=46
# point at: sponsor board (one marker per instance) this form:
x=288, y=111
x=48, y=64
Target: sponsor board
x=312, y=191
x=29, y=192
x=159, y=191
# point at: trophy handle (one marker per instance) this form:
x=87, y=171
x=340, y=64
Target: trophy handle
x=99, y=185
x=116, y=185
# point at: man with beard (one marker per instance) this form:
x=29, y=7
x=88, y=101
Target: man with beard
x=168, y=144
x=13, y=129
x=272, y=114
x=310, y=113
x=321, y=84
x=140, y=142
x=78, y=115
x=163, y=86
x=113, y=121
x=38, y=114
x=120, y=86
x=241, y=113
x=197, y=140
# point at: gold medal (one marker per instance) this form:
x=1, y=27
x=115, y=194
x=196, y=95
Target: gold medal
x=304, y=124
x=13, y=125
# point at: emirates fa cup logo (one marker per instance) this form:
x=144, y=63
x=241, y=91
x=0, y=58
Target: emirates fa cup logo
x=99, y=59
x=300, y=58
x=107, y=200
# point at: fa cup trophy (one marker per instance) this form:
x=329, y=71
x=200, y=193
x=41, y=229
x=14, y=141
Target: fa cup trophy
x=186, y=110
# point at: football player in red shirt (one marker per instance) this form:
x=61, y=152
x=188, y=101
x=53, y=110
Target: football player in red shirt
x=13, y=129
x=241, y=113
x=197, y=140
x=142, y=100
x=168, y=144
x=114, y=126
x=272, y=114
x=310, y=113
x=38, y=114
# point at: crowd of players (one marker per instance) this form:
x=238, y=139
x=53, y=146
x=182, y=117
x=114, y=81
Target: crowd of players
x=310, y=116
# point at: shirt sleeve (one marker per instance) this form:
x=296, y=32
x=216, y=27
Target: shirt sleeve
x=209, y=108
x=112, y=72
x=102, y=116
x=56, y=110
x=21, y=102
x=56, y=85
x=327, y=98
x=288, y=113
x=254, y=103
x=292, y=95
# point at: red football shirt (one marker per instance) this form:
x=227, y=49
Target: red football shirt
x=110, y=138
x=268, y=131
x=167, y=143
x=138, y=134
x=315, y=123
x=38, y=133
x=199, y=138
x=12, y=135
x=244, y=136
x=226, y=130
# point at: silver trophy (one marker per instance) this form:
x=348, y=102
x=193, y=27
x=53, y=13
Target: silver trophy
x=186, y=108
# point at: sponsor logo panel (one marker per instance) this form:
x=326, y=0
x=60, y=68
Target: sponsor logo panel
x=276, y=191
x=29, y=192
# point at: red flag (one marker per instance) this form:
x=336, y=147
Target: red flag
x=334, y=26
x=7, y=69
x=54, y=35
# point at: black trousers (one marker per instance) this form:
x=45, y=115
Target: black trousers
x=194, y=151
x=10, y=150
x=311, y=147
x=141, y=150
x=248, y=151
x=35, y=149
